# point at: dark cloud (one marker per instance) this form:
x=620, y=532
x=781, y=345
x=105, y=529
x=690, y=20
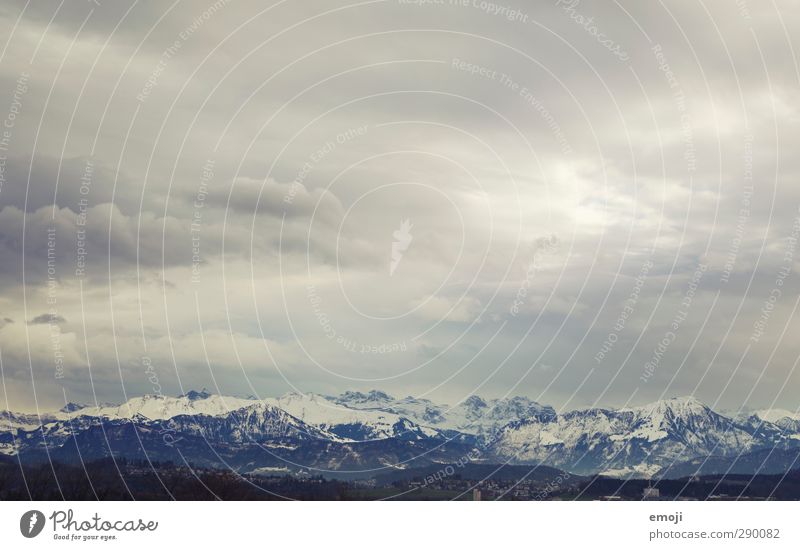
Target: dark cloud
x=46, y=319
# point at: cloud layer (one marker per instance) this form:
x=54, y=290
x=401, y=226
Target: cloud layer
x=602, y=200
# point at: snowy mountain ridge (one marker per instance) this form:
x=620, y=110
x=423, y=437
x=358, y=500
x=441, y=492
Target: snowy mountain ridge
x=629, y=441
x=639, y=440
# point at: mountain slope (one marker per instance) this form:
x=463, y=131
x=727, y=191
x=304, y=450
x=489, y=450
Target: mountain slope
x=161, y=407
x=638, y=441
x=474, y=415
x=375, y=430
x=356, y=424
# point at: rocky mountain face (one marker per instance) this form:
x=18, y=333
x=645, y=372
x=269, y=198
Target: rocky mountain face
x=474, y=415
x=636, y=441
x=359, y=434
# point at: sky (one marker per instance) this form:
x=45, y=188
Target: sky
x=585, y=203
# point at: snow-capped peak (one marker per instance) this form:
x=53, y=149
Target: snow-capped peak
x=161, y=407
x=354, y=418
x=374, y=397
x=774, y=415
x=475, y=402
x=473, y=415
x=675, y=406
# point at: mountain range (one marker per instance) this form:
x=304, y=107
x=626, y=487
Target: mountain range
x=363, y=435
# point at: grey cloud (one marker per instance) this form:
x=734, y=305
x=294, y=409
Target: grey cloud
x=595, y=153
x=47, y=318
x=48, y=181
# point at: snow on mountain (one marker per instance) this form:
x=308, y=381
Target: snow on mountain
x=11, y=421
x=634, y=440
x=373, y=399
x=49, y=433
x=474, y=415
x=30, y=430
x=779, y=421
x=638, y=441
x=257, y=422
x=161, y=407
x=774, y=415
x=693, y=424
x=352, y=416
x=421, y=411
x=321, y=412
x=500, y=412
x=358, y=424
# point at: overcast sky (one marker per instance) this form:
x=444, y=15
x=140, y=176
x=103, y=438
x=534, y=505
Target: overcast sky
x=580, y=202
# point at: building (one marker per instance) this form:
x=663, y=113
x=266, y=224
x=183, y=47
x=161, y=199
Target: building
x=651, y=493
